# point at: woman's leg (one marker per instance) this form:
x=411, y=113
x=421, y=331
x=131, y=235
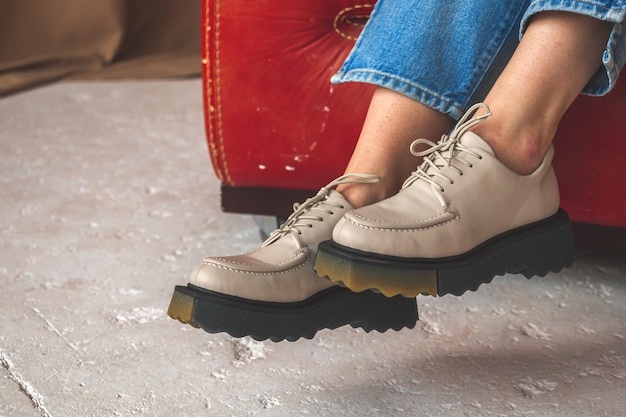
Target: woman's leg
x=555, y=59
x=426, y=78
x=393, y=121
x=519, y=131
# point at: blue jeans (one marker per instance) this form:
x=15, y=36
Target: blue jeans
x=447, y=54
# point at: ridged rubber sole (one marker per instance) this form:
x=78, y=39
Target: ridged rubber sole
x=532, y=250
x=328, y=309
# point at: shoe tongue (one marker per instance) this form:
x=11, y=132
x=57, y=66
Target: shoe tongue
x=472, y=140
x=336, y=195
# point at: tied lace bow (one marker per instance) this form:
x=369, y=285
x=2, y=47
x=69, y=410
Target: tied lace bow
x=440, y=155
x=303, y=213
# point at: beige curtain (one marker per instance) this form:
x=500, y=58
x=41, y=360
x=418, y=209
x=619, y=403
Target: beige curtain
x=42, y=41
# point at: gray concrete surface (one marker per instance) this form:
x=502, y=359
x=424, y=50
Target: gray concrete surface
x=108, y=200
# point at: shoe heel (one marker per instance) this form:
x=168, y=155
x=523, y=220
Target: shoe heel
x=547, y=248
x=547, y=252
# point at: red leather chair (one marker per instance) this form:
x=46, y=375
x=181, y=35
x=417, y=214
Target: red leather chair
x=277, y=130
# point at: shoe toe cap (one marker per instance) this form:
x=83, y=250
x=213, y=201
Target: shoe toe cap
x=294, y=283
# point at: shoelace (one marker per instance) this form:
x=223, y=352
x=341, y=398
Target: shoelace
x=440, y=155
x=303, y=215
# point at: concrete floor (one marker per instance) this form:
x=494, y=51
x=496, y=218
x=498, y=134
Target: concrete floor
x=108, y=200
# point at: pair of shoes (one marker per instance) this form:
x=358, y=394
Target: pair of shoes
x=461, y=219
x=273, y=292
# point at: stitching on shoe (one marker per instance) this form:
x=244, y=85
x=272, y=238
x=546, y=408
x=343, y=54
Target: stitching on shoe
x=230, y=260
x=355, y=214
x=257, y=272
x=389, y=229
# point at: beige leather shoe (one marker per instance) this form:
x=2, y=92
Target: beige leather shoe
x=461, y=219
x=274, y=293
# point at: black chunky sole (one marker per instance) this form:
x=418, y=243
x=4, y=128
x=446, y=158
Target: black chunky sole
x=531, y=250
x=328, y=309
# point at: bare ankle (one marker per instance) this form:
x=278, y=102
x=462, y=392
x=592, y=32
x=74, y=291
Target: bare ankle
x=523, y=157
x=521, y=150
x=360, y=195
